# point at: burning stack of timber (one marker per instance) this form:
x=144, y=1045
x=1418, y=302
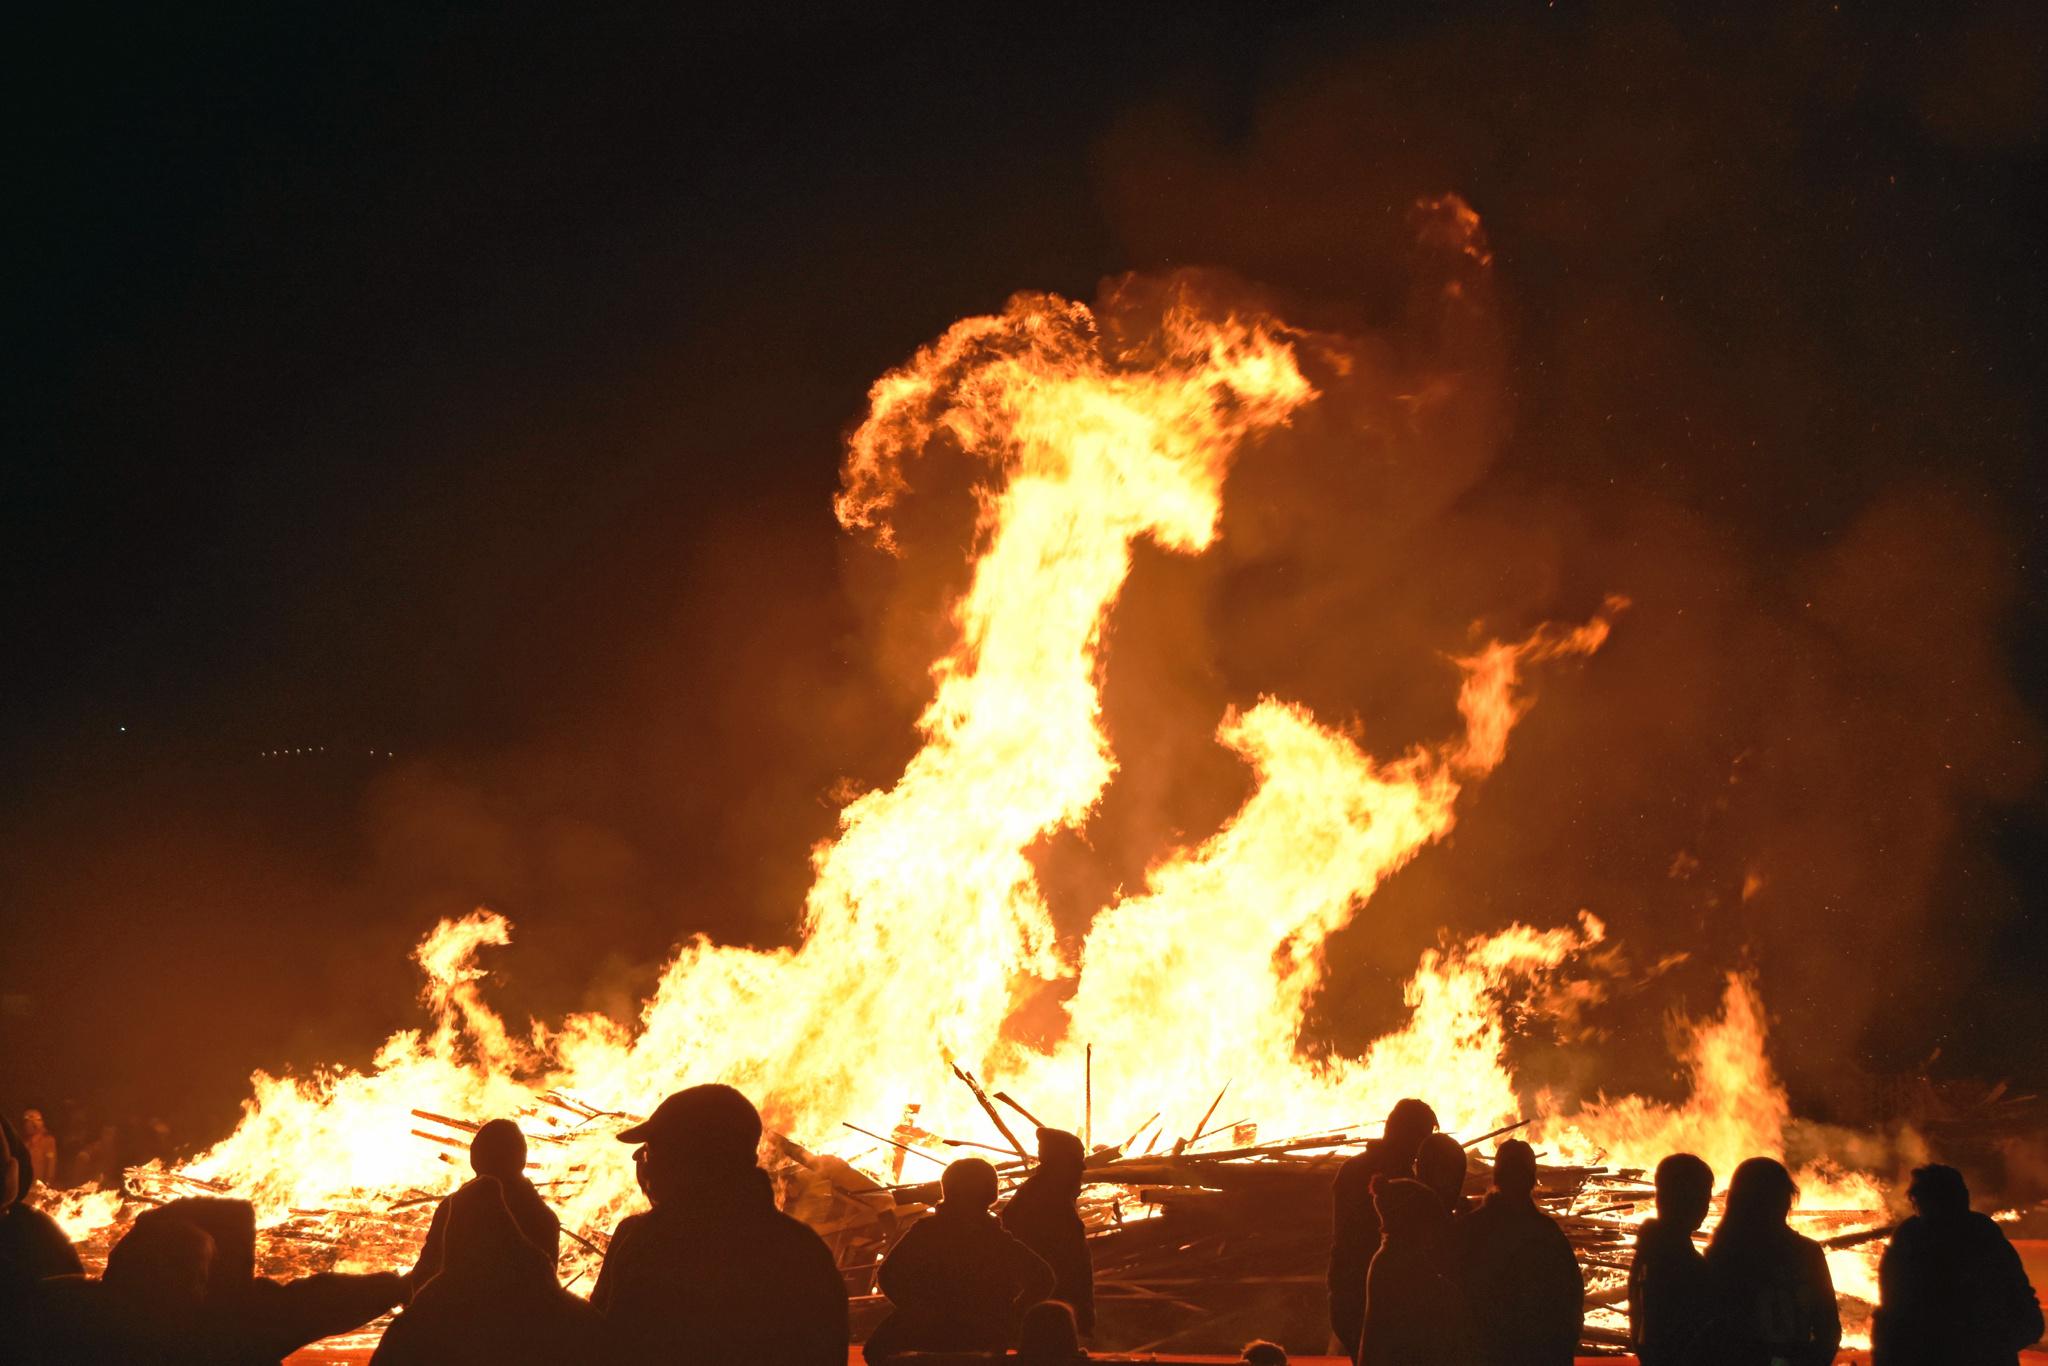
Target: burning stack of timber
x=1193, y=1249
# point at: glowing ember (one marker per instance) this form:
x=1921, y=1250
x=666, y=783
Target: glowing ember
x=925, y=927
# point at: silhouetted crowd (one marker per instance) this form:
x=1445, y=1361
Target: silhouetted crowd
x=713, y=1272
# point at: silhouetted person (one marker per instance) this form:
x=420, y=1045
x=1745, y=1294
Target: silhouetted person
x=495, y=1300
x=1260, y=1352
x=1355, y=1236
x=1413, y=1315
x=251, y=1320
x=957, y=1282
x=1953, y=1291
x=1668, y=1298
x=1041, y=1215
x=1773, y=1300
x=715, y=1272
x=1048, y=1335
x=1440, y=1165
x=32, y=1246
x=147, y=1310
x=42, y=1147
x=498, y=1151
x=1520, y=1278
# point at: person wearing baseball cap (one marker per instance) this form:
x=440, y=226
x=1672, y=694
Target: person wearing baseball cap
x=714, y=1271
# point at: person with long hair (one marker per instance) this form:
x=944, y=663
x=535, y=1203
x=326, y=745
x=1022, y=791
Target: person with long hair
x=1774, y=1302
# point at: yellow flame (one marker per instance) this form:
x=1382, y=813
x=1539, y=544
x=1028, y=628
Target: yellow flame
x=925, y=927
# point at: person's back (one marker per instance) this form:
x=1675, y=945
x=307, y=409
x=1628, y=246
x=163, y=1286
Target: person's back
x=1773, y=1299
x=722, y=1274
x=494, y=1302
x=1520, y=1278
x=1355, y=1226
x=957, y=1282
x=1413, y=1314
x=1667, y=1278
x=498, y=1151
x=715, y=1272
x=1953, y=1291
x=1042, y=1216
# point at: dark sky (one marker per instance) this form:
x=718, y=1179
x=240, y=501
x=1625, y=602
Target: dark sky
x=459, y=396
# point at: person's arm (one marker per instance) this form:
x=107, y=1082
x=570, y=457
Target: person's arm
x=432, y=1251
x=1568, y=1288
x=826, y=1332
x=607, y=1287
x=2021, y=1306
x=1031, y=1278
x=281, y=1319
x=1823, y=1313
x=905, y=1272
x=396, y=1346
x=1636, y=1317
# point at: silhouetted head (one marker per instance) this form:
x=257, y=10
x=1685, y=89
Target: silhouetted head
x=499, y=1149
x=161, y=1264
x=1060, y=1153
x=969, y=1184
x=1264, y=1353
x=1406, y=1207
x=1408, y=1123
x=1938, y=1190
x=1440, y=1165
x=1046, y=1335
x=231, y=1225
x=1760, y=1195
x=484, y=1241
x=705, y=1132
x=1514, y=1168
x=1685, y=1187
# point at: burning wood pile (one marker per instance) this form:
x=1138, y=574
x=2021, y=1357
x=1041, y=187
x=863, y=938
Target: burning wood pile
x=1193, y=1249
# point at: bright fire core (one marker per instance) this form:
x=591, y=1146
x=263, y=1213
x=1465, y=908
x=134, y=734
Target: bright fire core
x=925, y=926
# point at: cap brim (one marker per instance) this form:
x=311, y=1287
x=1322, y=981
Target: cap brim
x=639, y=1133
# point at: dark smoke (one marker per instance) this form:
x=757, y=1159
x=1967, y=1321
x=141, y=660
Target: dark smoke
x=1742, y=378
x=452, y=390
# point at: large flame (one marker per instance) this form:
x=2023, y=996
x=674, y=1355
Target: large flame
x=925, y=926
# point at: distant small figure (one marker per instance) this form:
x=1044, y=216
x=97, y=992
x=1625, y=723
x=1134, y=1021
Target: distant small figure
x=1355, y=1236
x=42, y=1147
x=495, y=1300
x=1440, y=1164
x=1414, y=1315
x=1047, y=1336
x=1521, y=1281
x=957, y=1281
x=1041, y=1215
x=1260, y=1352
x=1773, y=1300
x=1668, y=1298
x=498, y=1152
x=1953, y=1291
x=714, y=1271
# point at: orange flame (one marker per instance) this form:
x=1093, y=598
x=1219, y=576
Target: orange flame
x=925, y=926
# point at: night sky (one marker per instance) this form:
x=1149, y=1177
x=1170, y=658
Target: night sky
x=459, y=397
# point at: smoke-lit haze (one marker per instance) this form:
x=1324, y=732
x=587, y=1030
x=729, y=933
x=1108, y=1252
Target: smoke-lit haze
x=454, y=394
